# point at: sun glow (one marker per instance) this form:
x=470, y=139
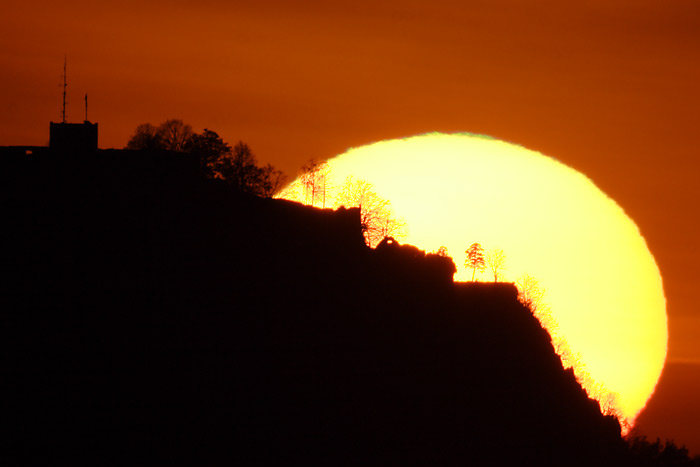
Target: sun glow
x=602, y=287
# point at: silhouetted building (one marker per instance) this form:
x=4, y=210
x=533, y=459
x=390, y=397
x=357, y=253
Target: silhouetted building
x=73, y=136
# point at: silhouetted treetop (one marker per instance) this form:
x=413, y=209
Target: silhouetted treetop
x=657, y=453
x=171, y=135
x=175, y=135
x=146, y=137
x=239, y=168
x=209, y=146
x=236, y=166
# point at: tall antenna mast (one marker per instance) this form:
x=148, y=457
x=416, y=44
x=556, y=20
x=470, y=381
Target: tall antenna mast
x=65, y=85
x=86, y=119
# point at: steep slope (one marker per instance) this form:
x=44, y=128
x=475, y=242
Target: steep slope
x=164, y=319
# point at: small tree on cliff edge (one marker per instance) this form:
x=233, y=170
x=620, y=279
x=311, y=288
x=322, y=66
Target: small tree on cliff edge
x=475, y=259
x=496, y=261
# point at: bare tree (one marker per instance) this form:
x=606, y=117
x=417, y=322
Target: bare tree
x=271, y=181
x=390, y=226
x=314, y=177
x=375, y=212
x=289, y=191
x=175, y=135
x=475, y=259
x=530, y=294
x=496, y=262
x=171, y=135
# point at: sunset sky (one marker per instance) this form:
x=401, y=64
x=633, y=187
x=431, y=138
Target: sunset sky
x=609, y=88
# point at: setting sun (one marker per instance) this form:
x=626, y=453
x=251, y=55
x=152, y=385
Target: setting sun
x=602, y=288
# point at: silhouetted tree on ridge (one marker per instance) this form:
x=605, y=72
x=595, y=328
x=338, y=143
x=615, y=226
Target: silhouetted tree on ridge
x=171, y=135
x=175, y=135
x=496, y=261
x=146, y=138
x=645, y=453
x=312, y=187
x=236, y=166
x=376, y=217
x=314, y=178
x=239, y=168
x=209, y=146
x=475, y=259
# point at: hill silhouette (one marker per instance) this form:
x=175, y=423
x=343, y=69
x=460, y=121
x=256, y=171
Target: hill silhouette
x=164, y=319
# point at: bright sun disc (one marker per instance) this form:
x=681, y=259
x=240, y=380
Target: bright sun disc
x=600, y=280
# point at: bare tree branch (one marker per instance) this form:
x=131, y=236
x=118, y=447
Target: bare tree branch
x=375, y=212
x=496, y=261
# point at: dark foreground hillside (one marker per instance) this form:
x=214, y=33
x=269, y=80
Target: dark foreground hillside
x=153, y=318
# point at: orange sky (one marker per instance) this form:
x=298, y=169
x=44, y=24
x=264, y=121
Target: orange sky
x=608, y=87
